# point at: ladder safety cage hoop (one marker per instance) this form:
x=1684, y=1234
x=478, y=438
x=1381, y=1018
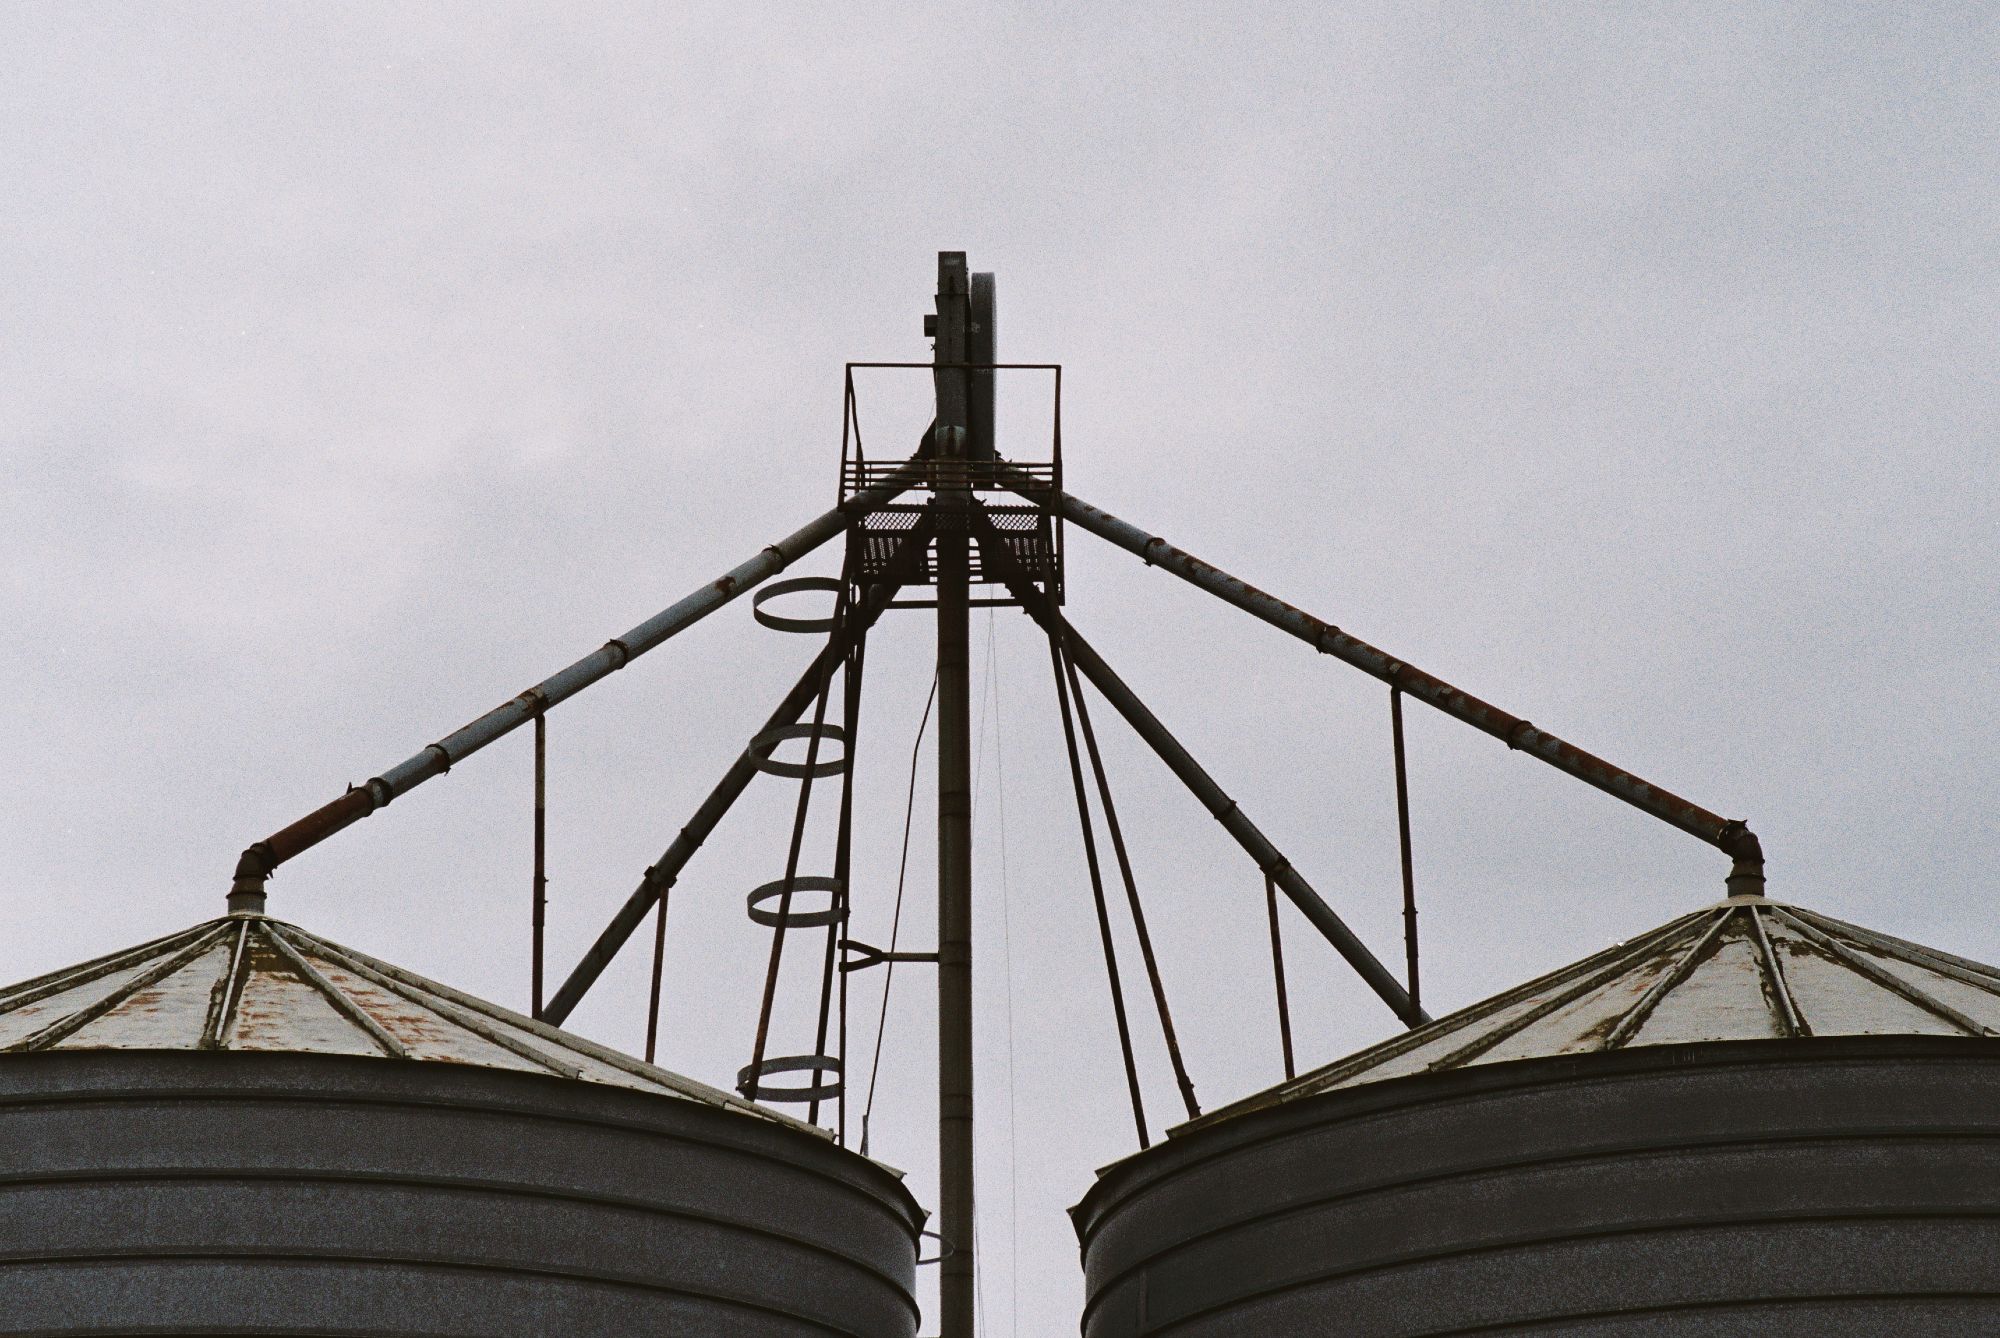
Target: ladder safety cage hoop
x=796, y=585
x=750, y=1079
x=760, y=755
x=835, y=912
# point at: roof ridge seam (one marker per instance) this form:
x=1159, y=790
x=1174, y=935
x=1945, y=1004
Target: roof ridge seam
x=674, y=1082
x=1890, y=981
x=339, y=998
x=444, y=1008
x=1642, y=1008
x=37, y=988
x=220, y=1019
x=1792, y=1018
x=1611, y=967
x=71, y=1023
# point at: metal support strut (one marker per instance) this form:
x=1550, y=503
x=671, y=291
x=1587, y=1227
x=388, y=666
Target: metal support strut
x=1139, y=930
x=748, y=1081
x=661, y=876
x=1097, y=896
x=1224, y=809
x=1278, y=979
x=659, y=971
x=1403, y=834
x=843, y=868
x=254, y=867
x=1732, y=837
x=954, y=441
x=541, y=889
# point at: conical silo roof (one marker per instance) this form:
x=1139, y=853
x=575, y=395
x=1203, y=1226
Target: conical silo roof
x=1743, y=969
x=247, y=982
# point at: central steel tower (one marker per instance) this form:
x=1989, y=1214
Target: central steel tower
x=957, y=436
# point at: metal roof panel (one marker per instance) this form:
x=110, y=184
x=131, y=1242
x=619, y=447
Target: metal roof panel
x=248, y=982
x=1743, y=969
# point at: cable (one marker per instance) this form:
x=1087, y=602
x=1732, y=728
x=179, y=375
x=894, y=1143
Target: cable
x=979, y=1285
x=989, y=695
x=1007, y=997
x=896, y=923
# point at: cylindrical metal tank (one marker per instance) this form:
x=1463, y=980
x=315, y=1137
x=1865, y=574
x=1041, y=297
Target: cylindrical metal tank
x=1752, y=1121
x=268, y=1189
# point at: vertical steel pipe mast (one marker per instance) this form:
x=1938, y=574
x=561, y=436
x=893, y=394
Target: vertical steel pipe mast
x=958, y=434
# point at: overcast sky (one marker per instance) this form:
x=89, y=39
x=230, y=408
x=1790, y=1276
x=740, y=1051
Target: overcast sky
x=1632, y=367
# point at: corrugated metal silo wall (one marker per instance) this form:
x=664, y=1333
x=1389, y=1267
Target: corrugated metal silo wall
x=202, y=1193
x=1827, y=1187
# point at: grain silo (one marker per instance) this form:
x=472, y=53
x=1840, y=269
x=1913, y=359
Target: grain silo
x=243, y=1127
x=1754, y=1119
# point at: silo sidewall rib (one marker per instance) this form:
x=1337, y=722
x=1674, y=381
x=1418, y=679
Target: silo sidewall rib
x=200, y=1192
x=1829, y=1185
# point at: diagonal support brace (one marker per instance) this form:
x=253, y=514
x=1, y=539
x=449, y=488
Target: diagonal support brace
x=661, y=876
x=254, y=867
x=1732, y=837
x=1224, y=809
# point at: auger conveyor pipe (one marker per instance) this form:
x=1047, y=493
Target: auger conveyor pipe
x=257, y=862
x=1730, y=836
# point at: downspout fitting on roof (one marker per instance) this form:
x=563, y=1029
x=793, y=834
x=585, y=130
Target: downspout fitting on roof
x=1746, y=875
x=246, y=895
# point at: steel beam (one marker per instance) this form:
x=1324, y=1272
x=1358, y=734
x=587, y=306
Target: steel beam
x=957, y=1298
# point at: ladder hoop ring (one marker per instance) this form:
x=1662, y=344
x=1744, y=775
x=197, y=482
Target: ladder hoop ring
x=750, y=1079
x=774, y=890
x=769, y=739
x=795, y=585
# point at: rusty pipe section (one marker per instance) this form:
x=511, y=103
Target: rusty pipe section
x=257, y=862
x=1728, y=835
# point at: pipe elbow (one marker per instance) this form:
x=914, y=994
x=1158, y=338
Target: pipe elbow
x=1746, y=875
x=256, y=861
x=253, y=870
x=1741, y=844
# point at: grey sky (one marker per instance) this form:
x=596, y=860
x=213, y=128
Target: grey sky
x=1630, y=366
